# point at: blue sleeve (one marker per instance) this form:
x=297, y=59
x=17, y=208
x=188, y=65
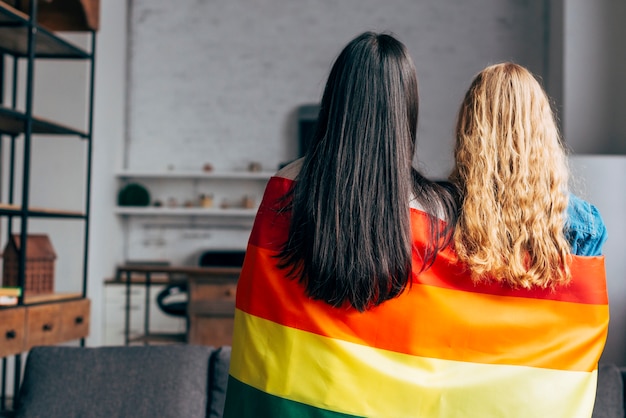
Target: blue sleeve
x=584, y=229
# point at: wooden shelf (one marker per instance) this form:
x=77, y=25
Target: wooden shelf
x=164, y=211
x=141, y=280
x=50, y=318
x=63, y=15
x=189, y=270
x=14, y=27
x=39, y=299
x=16, y=210
x=13, y=122
x=215, y=175
x=50, y=297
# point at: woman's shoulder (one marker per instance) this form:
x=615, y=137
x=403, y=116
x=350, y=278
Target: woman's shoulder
x=291, y=170
x=584, y=228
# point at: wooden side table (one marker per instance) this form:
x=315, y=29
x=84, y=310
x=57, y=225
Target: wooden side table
x=211, y=306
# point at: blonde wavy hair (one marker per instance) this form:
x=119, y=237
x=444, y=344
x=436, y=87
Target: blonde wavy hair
x=511, y=169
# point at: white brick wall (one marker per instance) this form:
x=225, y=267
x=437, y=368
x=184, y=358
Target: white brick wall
x=221, y=81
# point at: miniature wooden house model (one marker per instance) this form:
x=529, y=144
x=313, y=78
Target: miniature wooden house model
x=39, y=266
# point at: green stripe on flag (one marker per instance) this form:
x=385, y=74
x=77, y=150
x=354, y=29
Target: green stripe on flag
x=243, y=401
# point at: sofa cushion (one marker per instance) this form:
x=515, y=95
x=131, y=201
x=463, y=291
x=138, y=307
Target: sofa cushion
x=610, y=393
x=137, y=381
x=220, y=363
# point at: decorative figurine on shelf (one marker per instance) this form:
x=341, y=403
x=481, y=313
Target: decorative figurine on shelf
x=188, y=204
x=255, y=167
x=39, y=264
x=207, y=167
x=248, y=202
x=206, y=200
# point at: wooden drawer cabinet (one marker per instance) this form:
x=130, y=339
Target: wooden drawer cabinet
x=57, y=322
x=212, y=291
x=74, y=318
x=42, y=325
x=211, y=309
x=24, y=327
x=206, y=330
x=12, y=322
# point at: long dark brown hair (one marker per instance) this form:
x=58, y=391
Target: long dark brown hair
x=350, y=236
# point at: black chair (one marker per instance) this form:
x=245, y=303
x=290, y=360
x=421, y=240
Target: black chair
x=168, y=299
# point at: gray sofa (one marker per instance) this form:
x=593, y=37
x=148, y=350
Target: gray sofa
x=610, y=395
x=169, y=381
x=135, y=381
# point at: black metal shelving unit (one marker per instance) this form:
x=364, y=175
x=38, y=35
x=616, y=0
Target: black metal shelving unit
x=23, y=39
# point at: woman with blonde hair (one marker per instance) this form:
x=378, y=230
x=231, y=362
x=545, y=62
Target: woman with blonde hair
x=532, y=248
x=518, y=223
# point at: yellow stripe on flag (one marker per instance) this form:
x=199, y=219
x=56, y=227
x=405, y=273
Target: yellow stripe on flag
x=355, y=379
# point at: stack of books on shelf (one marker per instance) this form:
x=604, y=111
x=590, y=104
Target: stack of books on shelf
x=9, y=295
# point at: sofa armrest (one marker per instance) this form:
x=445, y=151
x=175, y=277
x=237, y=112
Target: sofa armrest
x=220, y=364
x=610, y=394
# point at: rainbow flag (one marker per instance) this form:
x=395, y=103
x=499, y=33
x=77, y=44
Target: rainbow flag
x=444, y=348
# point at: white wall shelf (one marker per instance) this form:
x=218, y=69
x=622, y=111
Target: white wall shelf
x=164, y=211
x=199, y=175
x=179, y=223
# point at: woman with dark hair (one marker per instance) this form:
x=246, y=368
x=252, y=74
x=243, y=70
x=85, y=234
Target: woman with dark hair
x=350, y=237
x=337, y=241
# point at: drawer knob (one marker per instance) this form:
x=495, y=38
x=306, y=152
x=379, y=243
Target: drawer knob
x=10, y=334
x=229, y=292
x=78, y=320
x=47, y=327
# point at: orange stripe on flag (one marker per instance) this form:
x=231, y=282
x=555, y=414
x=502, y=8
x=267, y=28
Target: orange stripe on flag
x=445, y=323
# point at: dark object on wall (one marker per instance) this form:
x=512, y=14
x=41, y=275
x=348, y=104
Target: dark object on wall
x=64, y=15
x=222, y=258
x=133, y=194
x=307, y=121
x=39, y=267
